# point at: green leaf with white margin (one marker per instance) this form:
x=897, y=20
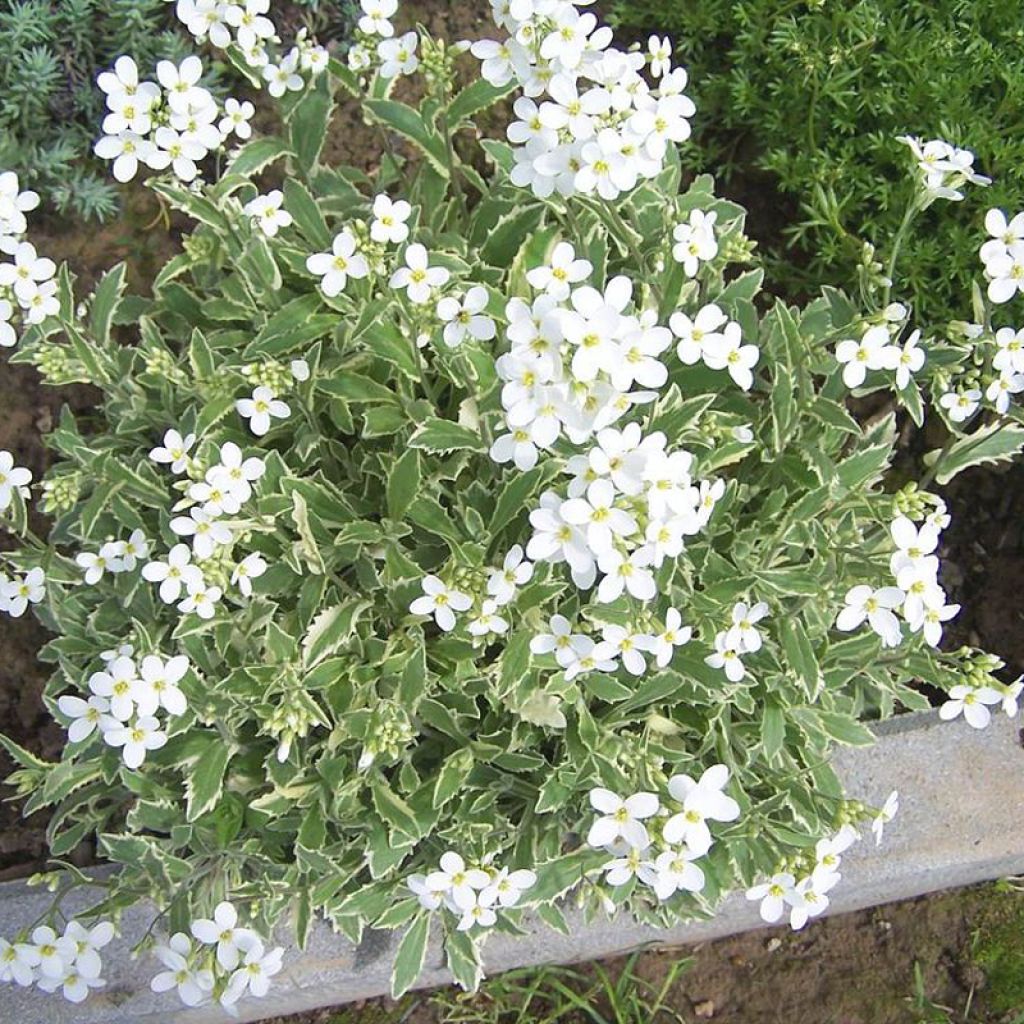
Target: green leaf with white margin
x=412, y=951
x=331, y=630
x=453, y=773
x=308, y=218
x=799, y=652
x=204, y=777
x=105, y=302
x=464, y=962
x=438, y=436
x=408, y=123
x=394, y=810
x=307, y=125
x=403, y=483
x=845, y=728
x=476, y=97
x=991, y=443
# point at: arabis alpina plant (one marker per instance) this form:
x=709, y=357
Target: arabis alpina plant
x=454, y=548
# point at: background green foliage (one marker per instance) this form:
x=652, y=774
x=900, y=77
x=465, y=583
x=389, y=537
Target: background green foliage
x=814, y=94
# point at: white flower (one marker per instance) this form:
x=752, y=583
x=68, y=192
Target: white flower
x=478, y=913
x=13, y=479
x=251, y=27
x=695, y=241
x=17, y=594
x=660, y=51
x=250, y=568
x=635, y=863
x=488, y=621
x=398, y=56
x=674, y=635
x=466, y=316
x=873, y=352
x=460, y=883
x=206, y=531
x=173, y=574
x=261, y=408
x=337, y=266
x=810, y=898
x=86, y=716
x=43, y=303
x=174, y=451
x=694, y=335
x=564, y=270
x=828, y=852
x=268, y=213
x=1011, y=692
x=234, y=474
x=236, y=118
x=118, y=684
x=429, y=899
x=1002, y=387
x=376, y=17
x=253, y=974
x=561, y=641
x=1010, y=344
x=126, y=149
x=675, y=871
x=588, y=656
x=973, y=702
x=8, y=336
x=911, y=359
x=27, y=272
x=628, y=644
x=726, y=657
x=507, y=888
x=773, y=894
x=283, y=77
x=137, y=739
x=517, y=447
x=742, y=635
x=514, y=573
x=123, y=82
x=389, y=220
x=702, y=801
x=1007, y=236
x=1006, y=275
x=440, y=602
x=889, y=811
x=181, y=82
x=621, y=819
x=157, y=685
x=88, y=942
x=598, y=514
x=223, y=931
x=132, y=550
x=201, y=600
x=194, y=986
x=960, y=405
x=626, y=572
x=875, y=606
x=55, y=955
x=417, y=277
x=18, y=962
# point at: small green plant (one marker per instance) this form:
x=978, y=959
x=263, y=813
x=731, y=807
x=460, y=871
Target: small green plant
x=815, y=94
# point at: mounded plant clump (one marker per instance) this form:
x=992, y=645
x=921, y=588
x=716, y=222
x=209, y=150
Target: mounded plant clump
x=473, y=535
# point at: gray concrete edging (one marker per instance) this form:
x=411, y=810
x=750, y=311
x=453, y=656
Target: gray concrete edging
x=961, y=821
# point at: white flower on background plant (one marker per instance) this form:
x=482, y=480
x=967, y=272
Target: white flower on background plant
x=694, y=335
x=488, y=621
x=507, y=887
x=117, y=684
x=810, y=898
x=588, y=656
x=174, y=451
x=338, y=265
x=960, y=405
x=268, y=212
x=886, y=814
x=621, y=819
x=223, y=931
x=19, y=962
x=1010, y=344
x=429, y=899
x=375, y=20
x=629, y=645
x=194, y=985
x=43, y=303
x=55, y=954
x=207, y=532
x=457, y=881
x=563, y=270
x=1002, y=388
x=874, y=351
x=417, y=277
x=1011, y=694
x=236, y=118
x=660, y=51
x=398, y=56
x=742, y=634
x=828, y=852
x=181, y=151
x=727, y=657
x=86, y=715
x=175, y=573
x=972, y=702
x=181, y=82
x=441, y=602
x=695, y=241
x=258, y=966
x=127, y=150
x=17, y=594
x=675, y=871
x=389, y=220
x=200, y=600
x=87, y=943
x=674, y=635
x=283, y=77
x=1006, y=275
x=701, y=801
x=480, y=914
x=515, y=572
x=635, y=862
x=28, y=271
x=136, y=739
x=157, y=685
x=261, y=409
x=864, y=603
x=13, y=480
x=250, y=568
x=561, y=641
x=1007, y=236
x=911, y=359
x=626, y=573
x=517, y=447
x=773, y=895
x=466, y=317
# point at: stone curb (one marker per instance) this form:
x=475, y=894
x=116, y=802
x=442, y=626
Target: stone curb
x=961, y=821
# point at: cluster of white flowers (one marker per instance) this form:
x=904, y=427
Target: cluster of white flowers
x=245, y=24
x=473, y=894
x=578, y=653
x=124, y=702
x=27, y=285
x=17, y=592
x=377, y=46
x=742, y=637
x=917, y=593
x=981, y=691
x=659, y=843
x=630, y=505
x=225, y=956
x=1003, y=255
x=172, y=124
x=942, y=168
x=70, y=962
x=599, y=126
x=880, y=349
x=807, y=897
x=115, y=556
x=712, y=338
x=208, y=496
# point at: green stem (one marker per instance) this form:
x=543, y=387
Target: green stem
x=897, y=243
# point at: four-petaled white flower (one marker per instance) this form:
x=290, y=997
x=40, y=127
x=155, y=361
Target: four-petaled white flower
x=561, y=273
x=960, y=405
x=441, y=602
x=398, y=56
x=175, y=573
x=194, y=985
x=515, y=572
x=727, y=656
x=261, y=409
x=466, y=317
x=268, y=212
x=338, y=265
x=875, y=606
x=417, y=277
x=701, y=801
x=174, y=451
x=13, y=480
x=773, y=895
x=887, y=812
x=136, y=739
x=874, y=351
x=457, y=881
x=972, y=702
x=375, y=20
x=389, y=220
x=224, y=931
x=695, y=241
x=621, y=819
x=250, y=568
x=236, y=118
